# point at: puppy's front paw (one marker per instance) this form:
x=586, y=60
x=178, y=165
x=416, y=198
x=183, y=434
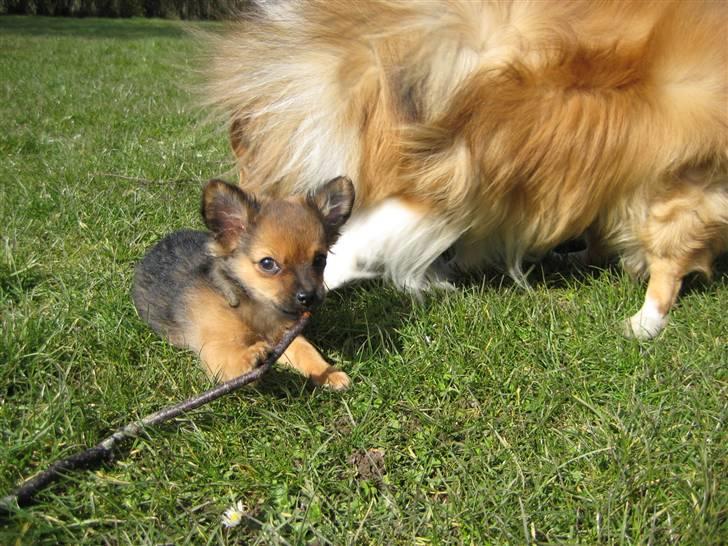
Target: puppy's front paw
x=338, y=381
x=333, y=379
x=256, y=353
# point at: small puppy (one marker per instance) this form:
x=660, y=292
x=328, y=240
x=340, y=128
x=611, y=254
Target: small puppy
x=228, y=295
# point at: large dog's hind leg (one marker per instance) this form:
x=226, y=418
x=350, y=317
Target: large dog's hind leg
x=682, y=234
x=662, y=290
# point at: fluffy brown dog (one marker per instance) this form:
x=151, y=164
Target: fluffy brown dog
x=497, y=129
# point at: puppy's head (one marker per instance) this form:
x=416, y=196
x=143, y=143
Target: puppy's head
x=276, y=249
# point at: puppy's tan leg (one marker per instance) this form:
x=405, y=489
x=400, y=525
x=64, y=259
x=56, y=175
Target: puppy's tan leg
x=304, y=357
x=225, y=359
x=226, y=345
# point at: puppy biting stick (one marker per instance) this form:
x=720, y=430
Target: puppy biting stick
x=103, y=451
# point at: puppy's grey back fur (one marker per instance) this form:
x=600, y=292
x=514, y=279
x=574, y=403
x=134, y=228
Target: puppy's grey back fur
x=165, y=274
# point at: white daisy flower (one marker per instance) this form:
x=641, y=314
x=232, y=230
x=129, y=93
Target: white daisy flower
x=233, y=516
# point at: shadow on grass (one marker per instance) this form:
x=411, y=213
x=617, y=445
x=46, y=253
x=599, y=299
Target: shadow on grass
x=557, y=270
x=361, y=320
x=91, y=28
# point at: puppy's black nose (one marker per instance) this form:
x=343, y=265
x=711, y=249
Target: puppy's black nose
x=306, y=297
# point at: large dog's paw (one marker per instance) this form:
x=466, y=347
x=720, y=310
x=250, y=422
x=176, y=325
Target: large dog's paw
x=647, y=323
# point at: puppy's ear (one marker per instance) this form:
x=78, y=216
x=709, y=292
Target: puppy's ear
x=334, y=200
x=228, y=212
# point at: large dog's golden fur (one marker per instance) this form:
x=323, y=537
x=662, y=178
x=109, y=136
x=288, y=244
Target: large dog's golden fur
x=496, y=128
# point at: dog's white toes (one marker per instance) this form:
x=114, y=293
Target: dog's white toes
x=645, y=324
x=339, y=270
x=342, y=269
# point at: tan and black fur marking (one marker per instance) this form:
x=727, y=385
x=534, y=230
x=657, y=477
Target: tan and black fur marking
x=229, y=294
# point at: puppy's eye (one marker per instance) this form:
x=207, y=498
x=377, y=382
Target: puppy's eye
x=269, y=265
x=319, y=261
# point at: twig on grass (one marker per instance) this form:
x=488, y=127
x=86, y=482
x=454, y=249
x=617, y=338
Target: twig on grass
x=103, y=451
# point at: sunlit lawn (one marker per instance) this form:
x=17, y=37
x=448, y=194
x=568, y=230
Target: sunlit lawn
x=484, y=415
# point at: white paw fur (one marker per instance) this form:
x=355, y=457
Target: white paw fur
x=647, y=323
x=393, y=240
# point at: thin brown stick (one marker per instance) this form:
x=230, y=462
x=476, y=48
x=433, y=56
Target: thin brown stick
x=103, y=451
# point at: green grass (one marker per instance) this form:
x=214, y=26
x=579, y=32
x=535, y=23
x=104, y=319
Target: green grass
x=503, y=416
